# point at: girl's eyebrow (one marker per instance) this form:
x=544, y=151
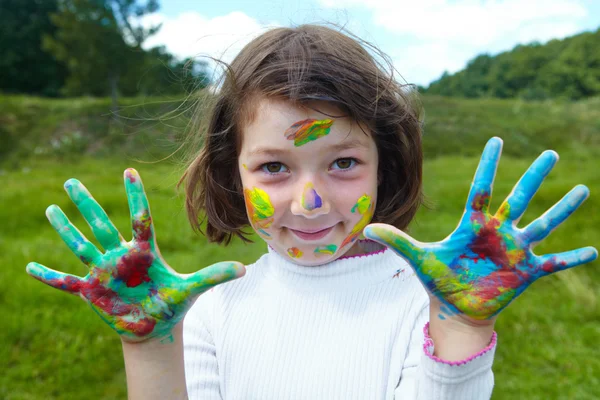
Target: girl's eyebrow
x=345, y=145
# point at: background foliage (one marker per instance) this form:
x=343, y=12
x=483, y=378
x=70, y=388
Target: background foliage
x=568, y=68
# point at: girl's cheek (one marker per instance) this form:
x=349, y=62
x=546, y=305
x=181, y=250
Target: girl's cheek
x=260, y=209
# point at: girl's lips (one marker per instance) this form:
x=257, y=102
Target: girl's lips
x=312, y=235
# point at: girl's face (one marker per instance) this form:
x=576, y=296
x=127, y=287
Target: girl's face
x=309, y=178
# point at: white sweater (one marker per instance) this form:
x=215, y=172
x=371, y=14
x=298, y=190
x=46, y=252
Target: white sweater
x=349, y=329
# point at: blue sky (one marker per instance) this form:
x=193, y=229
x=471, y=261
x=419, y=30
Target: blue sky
x=424, y=38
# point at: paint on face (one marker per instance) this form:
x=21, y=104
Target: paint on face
x=364, y=207
x=308, y=130
x=259, y=209
x=294, y=252
x=310, y=198
x=245, y=167
x=330, y=249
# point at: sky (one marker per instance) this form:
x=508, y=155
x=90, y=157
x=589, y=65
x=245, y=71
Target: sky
x=424, y=38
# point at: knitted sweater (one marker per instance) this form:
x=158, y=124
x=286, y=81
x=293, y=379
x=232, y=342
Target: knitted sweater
x=354, y=328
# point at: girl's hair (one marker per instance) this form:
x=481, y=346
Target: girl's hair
x=301, y=65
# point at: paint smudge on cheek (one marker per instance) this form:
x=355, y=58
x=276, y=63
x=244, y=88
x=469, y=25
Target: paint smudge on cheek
x=305, y=131
x=310, y=198
x=260, y=210
x=330, y=249
x=294, y=252
x=363, y=207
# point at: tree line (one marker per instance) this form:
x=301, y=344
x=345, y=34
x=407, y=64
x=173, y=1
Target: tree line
x=62, y=48
x=567, y=68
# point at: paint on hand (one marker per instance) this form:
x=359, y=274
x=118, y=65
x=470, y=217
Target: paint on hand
x=488, y=261
x=329, y=249
x=260, y=210
x=294, y=252
x=308, y=130
x=364, y=207
x=129, y=285
x=310, y=198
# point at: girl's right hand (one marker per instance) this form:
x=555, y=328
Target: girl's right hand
x=130, y=285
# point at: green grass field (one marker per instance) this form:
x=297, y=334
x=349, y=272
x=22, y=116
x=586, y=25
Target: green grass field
x=55, y=347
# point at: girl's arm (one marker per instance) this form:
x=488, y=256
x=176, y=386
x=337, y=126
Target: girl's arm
x=427, y=376
x=155, y=368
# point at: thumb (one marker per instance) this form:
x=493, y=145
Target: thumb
x=213, y=275
x=404, y=245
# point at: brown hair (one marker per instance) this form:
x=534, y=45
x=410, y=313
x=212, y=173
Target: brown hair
x=304, y=64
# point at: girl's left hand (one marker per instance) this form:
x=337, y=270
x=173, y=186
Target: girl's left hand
x=488, y=261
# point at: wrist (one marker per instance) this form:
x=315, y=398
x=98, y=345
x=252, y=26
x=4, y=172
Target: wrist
x=457, y=338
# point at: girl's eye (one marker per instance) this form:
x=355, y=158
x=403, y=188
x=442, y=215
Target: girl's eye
x=273, y=168
x=343, y=163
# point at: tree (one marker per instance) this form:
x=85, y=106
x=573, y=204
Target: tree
x=25, y=67
x=99, y=41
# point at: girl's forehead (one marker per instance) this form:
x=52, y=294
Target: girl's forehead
x=281, y=124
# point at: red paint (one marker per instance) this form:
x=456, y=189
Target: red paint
x=133, y=268
x=480, y=200
x=489, y=244
x=550, y=265
x=109, y=301
x=143, y=327
x=141, y=227
x=131, y=176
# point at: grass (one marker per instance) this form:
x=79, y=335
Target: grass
x=54, y=347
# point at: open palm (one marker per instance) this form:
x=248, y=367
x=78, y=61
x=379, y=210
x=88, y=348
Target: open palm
x=129, y=285
x=488, y=261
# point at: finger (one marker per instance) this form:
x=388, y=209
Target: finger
x=551, y=263
x=139, y=208
x=551, y=219
x=74, y=239
x=517, y=201
x=102, y=227
x=392, y=237
x=65, y=282
x=481, y=188
x=209, y=277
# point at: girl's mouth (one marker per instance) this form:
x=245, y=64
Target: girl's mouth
x=312, y=235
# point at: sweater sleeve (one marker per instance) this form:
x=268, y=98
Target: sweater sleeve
x=425, y=376
x=201, y=368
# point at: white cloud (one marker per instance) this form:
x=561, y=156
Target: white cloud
x=190, y=34
x=439, y=35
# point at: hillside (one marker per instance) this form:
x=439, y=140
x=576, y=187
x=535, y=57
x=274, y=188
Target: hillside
x=567, y=68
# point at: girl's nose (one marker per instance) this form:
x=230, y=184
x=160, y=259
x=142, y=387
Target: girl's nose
x=310, y=203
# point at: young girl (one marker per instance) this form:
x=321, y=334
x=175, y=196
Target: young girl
x=309, y=142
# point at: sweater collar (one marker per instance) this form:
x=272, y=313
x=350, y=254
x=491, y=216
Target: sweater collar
x=349, y=272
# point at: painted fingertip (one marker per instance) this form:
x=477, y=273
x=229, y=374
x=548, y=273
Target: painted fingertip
x=492, y=148
x=131, y=174
x=551, y=153
x=71, y=182
x=495, y=143
x=52, y=210
x=35, y=270
x=589, y=254
x=582, y=191
x=31, y=268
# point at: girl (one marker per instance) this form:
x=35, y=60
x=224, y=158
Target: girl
x=312, y=144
